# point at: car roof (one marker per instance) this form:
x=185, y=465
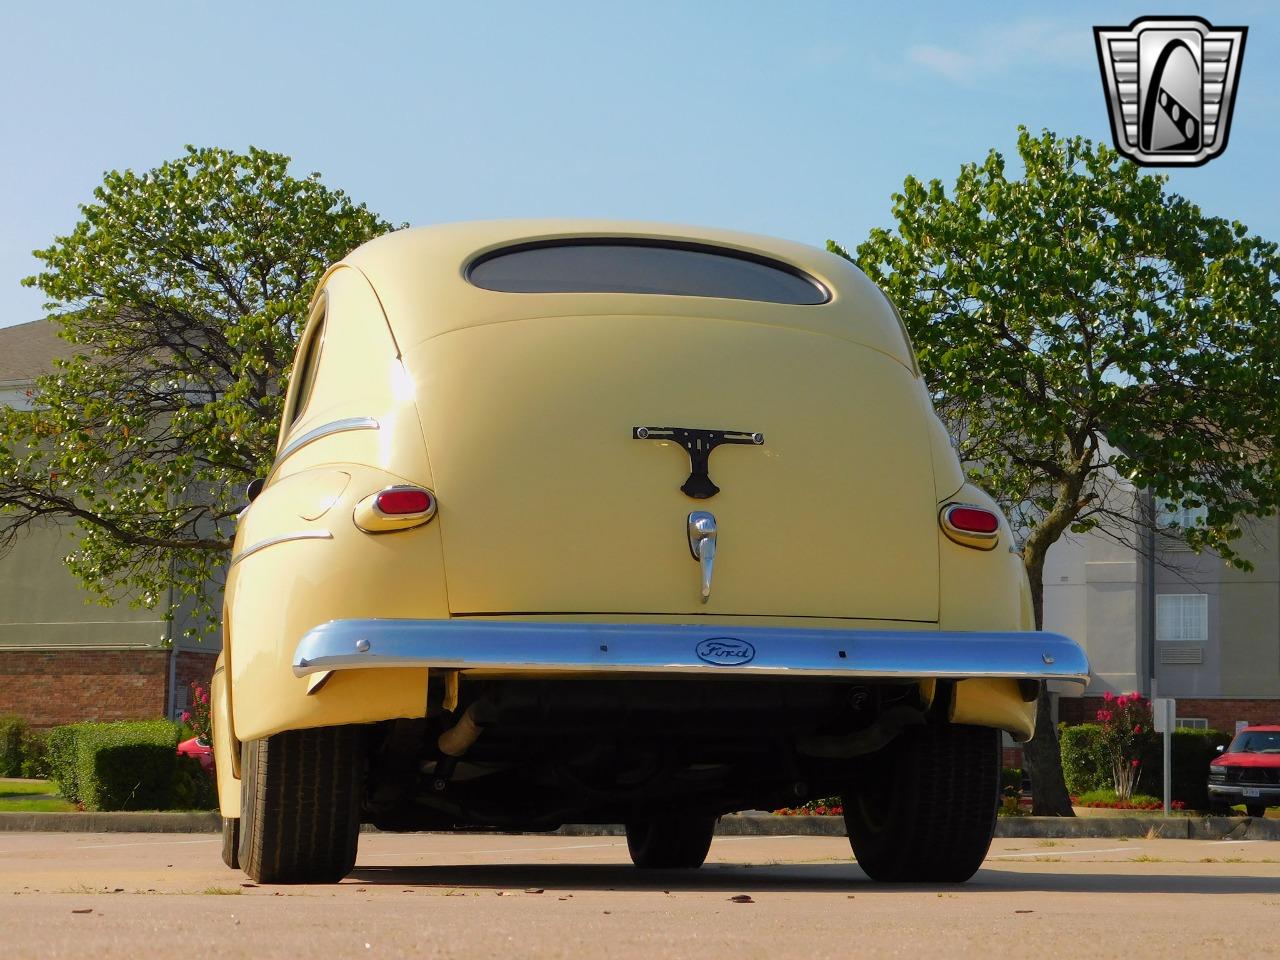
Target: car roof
x=1264, y=728
x=419, y=275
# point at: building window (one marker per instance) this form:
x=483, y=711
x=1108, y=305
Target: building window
x=1171, y=513
x=1182, y=616
x=1192, y=723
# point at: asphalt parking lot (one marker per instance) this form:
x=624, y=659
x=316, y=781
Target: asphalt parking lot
x=154, y=895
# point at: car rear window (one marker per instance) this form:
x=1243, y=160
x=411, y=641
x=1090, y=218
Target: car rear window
x=636, y=266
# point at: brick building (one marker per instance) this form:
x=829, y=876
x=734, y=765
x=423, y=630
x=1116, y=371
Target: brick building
x=63, y=657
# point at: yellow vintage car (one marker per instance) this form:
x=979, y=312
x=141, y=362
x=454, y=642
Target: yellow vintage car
x=605, y=522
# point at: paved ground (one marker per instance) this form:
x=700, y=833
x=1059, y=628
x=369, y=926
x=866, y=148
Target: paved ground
x=147, y=895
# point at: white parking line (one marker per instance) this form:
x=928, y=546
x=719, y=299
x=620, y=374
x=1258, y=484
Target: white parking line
x=1064, y=853
x=107, y=846
x=145, y=843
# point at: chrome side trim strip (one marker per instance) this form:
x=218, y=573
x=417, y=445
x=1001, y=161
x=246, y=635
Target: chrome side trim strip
x=537, y=647
x=283, y=538
x=324, y=430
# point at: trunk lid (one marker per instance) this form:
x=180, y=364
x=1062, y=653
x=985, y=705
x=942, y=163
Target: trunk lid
x=549, y=504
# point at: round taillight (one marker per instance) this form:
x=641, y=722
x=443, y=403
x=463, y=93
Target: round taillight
x=970, y=526
x=973, y=520
x=401, y=501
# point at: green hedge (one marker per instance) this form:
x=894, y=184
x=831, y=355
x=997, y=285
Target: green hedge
x=116, y=766
x=33, y=757
x=126, y=766
x=13, y=742
x=1189, y=773
x=60, y=759
x=1010, y=781
x=1083, y=765
x=192, y=788
x=21, y=749
x=1085, y=768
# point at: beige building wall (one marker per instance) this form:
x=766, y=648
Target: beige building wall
x=42, y=605
x=1095, y=592
x=1241, y=652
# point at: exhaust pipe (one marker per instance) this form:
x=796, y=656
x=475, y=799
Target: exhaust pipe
x=458, y=739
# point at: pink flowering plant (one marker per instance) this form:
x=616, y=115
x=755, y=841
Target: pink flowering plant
x=1126, y=732
x=830, y=807
x=198, y=716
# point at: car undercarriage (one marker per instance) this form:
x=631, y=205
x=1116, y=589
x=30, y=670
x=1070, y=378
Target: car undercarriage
x=533, y=754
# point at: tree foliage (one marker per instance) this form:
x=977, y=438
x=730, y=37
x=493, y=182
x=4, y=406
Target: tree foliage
x=183, y=290
x=1090, y=337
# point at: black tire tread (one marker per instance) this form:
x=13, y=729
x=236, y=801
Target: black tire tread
x=1255, y=809
x=936, y=788
x=670, y=841
x=301, y=813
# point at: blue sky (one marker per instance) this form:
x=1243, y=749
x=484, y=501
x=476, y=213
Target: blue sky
x=795, y=119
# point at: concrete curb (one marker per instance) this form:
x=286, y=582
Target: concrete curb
x=1173, y=828
x=734, y=825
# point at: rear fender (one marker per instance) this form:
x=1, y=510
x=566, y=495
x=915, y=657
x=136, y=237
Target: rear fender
x=986, y=590
x=278, y=589
x=995, y=702
x=980, y=589
x=226, y=749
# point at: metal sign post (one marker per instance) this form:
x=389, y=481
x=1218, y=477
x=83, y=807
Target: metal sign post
x=1164, y=712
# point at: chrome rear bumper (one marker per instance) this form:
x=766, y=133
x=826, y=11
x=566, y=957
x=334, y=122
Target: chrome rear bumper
x=540, y=647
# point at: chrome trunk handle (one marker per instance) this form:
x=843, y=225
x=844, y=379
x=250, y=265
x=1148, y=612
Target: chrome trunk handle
x=702, y=544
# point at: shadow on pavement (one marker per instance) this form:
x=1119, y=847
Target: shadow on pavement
x=781, y=878
x=593, y=876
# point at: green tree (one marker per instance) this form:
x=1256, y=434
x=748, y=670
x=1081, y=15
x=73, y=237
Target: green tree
x=183, y=290
x=1093, y=341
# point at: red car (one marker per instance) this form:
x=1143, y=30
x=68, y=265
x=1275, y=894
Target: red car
x=202, y=750
x=1248, y=772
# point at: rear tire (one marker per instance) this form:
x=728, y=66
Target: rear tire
x=1255, y=809
x=231, y=842
x=300, y=805
x=923, y=810
x=670, y=841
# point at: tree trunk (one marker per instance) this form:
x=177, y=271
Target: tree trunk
x=1049, y=797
